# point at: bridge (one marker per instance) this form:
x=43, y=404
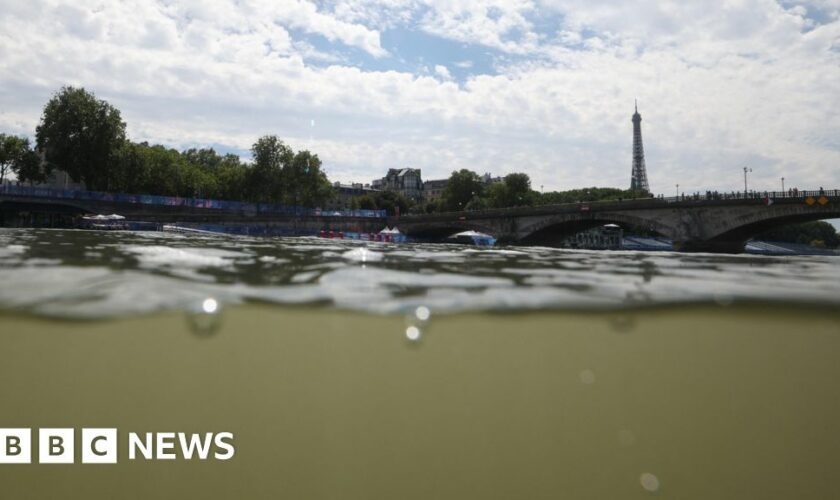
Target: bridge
x=24, y=206
x=714, y=222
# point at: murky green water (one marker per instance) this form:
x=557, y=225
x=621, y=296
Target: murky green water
x=539, y=373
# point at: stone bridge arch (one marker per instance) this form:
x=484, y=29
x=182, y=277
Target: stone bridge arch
x=438, y=231
x=557, y=227
x=744, y=227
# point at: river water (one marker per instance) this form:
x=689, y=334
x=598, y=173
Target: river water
x=367, y=370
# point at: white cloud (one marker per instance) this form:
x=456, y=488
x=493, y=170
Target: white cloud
x=719, y=86
x=442, y=72
x=501, y=25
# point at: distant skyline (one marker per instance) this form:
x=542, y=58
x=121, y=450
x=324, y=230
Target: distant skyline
x=542, y=87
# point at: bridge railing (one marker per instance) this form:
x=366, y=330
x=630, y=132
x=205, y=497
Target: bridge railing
x=629, y=203
x=753, y=195
x=173, y=201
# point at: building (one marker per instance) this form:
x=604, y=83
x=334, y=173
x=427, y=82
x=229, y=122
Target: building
x=344, y=194
x=489, y=179
x=433, y=190
x=406, y=181
x=638, y=176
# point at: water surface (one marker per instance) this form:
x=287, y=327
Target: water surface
x=374, y=371
x=95, y=274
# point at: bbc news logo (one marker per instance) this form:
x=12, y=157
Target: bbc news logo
x=99, y=446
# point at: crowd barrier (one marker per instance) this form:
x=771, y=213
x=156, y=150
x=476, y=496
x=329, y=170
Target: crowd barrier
x=172, y=201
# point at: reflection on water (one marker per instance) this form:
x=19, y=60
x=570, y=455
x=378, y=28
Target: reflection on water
x=83, y=273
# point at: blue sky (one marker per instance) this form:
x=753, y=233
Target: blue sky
x=540, y=86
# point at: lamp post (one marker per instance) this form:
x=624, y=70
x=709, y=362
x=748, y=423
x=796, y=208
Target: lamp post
x=746, y=169
x=783, y=185
x=678, y=190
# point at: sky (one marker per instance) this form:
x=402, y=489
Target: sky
x=541, y=87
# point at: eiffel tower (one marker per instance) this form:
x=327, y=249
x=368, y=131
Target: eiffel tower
x=638, y=178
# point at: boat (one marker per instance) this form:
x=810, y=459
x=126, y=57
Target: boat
x=472, y=238
x=101, y=222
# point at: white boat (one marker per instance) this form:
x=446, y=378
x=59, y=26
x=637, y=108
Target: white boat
x=472, y=238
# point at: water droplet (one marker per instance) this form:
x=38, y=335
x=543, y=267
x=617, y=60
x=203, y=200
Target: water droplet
x=413, y=333
x=209, y=306
x=649, y=482
x=416, y=321
x=422, y=314
x=587, y=377
x=205, y=318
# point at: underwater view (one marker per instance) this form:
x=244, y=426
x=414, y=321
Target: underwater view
x=348, y=369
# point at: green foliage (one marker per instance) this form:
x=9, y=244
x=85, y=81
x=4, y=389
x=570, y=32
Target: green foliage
x=16, y=156
x=10, y=149
x=466, y=190
x=205, y=158
x=463, y=186
x=306, y=184
x=232, y=179
x=426, y=207
x=282, y=176
x=586, y=194
x=364, y=202
x=85, y=137
x=819, y=234
x=82, y=136
x=382, y=200
x=265, y=180
x=389, y=201
x=518, y=187
x=513, y=191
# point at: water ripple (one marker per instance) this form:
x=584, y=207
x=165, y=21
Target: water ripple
x=96, y=274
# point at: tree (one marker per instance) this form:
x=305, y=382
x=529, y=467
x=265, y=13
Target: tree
x=132, y=174
x=585, y=194
x=232, y=178
x=463, y=186
x=807, y=233
x=389, y=200
x=29, y=167
x=497, y=195
x=12, y=149
x=304, y=181
x=163, y=170
x=513, y=191
x=17, y=156
x=428, y=207
x=81, y=135
x=519, y=190
x=364, y=202
x=205, y=158
x=265, y=181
